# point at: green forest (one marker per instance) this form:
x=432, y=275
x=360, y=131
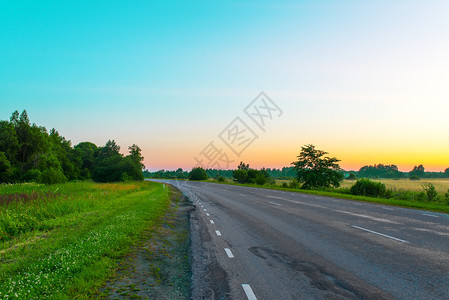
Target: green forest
x=30, y=153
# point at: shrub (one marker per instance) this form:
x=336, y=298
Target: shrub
x=221, y=179
x=271, y=181
x=285, y=185
x=414, y=177
x=32, y=175
x=53, y=176
x=421, y=197
x=430, y=191
x=198, y=174
x=241, y=176
x=260, y=179
x=446, y=197
x=366, y=187
x=294, y=184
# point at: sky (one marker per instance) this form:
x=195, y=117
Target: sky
x=366, y=81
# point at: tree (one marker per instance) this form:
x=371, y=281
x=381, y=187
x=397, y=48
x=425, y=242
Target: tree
x=380, y=171
x=431, y=192
x=136, y=155
x=108, y=164
x=83, y=156
x=315, y=171
x=418, y=171
x=243, y=166
x=5, y=168
x=133, y=163
x=446, y=172
x=198, y=174
x=9, y=143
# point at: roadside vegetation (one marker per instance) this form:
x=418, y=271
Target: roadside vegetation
x=64, y=241
x=30, y=153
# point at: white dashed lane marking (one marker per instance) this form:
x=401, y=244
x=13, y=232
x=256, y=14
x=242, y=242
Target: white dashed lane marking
x=207, y=215
x=218, y=232
x=381, y=234
x=274, y=197
x=429, y=215
x=249, y=292
x=229, y=253
x=212, y=222
x=275, y=203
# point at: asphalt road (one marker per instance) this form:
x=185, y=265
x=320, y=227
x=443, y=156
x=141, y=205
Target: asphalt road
x=253, y=243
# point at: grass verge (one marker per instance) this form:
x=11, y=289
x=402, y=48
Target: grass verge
x=158, y=267
x=67, y=245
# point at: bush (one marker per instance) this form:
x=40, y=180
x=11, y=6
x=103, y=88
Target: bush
x=294, y=184
x=446, y=197
x=284, y=185
x=414, y=177
x=241, y=176
x=32, y=175
x=198, y=174
x=430, y=191
x=366, y=187
x=261, y=179
x=271, y=181
x=53, y=176
x=221, y=179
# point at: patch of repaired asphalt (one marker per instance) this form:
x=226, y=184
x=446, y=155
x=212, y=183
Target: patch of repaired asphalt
x=160, y=267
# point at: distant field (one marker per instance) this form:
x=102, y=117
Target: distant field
x=441, y=185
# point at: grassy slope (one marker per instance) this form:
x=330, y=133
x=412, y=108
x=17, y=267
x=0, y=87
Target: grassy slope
x=402, y=203
x=67, y=246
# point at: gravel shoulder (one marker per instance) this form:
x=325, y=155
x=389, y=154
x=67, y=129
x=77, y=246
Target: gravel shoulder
x=159, y=267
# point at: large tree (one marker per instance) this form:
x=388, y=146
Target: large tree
x=315, y=170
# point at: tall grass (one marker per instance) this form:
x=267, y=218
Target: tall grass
x=62, y=241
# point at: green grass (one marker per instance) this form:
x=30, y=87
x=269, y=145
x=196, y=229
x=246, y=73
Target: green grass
x=430, y=206
x=64, y=241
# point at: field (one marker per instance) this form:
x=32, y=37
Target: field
x=64, y=241
x=441, y=185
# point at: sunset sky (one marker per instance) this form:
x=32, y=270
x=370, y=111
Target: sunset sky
x=367, y=81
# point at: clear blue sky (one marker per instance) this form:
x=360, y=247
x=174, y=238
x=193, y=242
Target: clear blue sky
x=365, y=80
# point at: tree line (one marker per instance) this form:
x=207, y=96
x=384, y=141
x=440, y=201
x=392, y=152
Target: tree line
x=30, y=153
x=392, y=171
x=284, y=173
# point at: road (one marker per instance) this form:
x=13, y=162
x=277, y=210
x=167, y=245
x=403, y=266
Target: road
x=251, y=243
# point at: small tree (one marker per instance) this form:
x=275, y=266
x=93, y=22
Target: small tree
x=431, y=192
x=198, y=174
x=315, y=171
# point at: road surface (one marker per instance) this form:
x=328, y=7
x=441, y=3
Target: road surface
x=251, y=243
